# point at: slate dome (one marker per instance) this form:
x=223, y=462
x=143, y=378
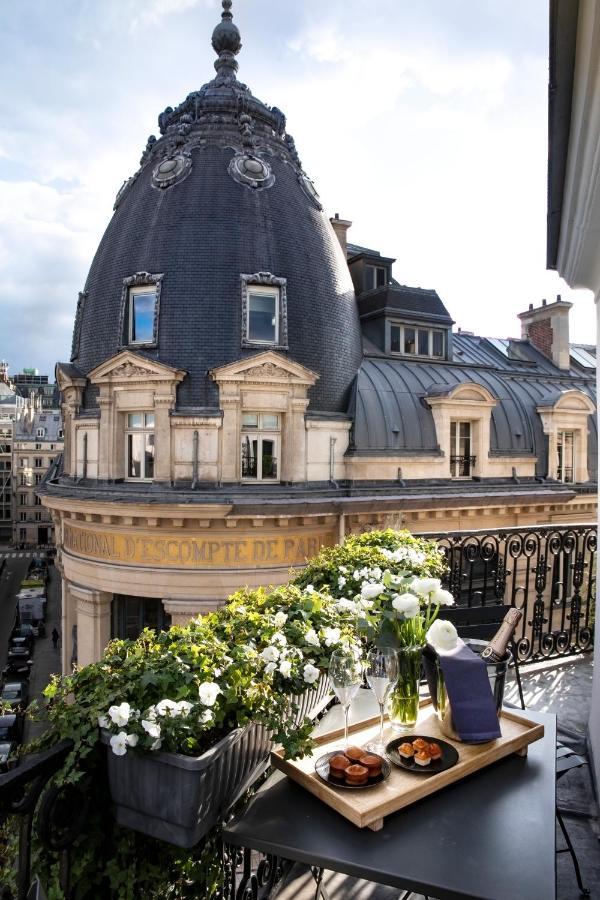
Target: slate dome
x=222, y=193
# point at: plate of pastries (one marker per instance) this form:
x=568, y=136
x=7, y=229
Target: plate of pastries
x=352, y=768
x=421, y=754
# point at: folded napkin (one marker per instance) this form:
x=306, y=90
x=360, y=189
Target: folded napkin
x=473, y=706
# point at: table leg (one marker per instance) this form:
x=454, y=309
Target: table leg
x=317, y=874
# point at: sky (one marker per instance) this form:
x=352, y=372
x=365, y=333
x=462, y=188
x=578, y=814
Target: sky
x=423, y=123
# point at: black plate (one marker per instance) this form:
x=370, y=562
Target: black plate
x=448, y=759
x=322, y=770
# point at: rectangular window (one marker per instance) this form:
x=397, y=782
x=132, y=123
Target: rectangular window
x=22, y=534
x=38, y=463
x=409, y=341
x=38, y=517
x=140, y=446
x=38, y=446
x=23, y=479
x=423, y=342
x=38, y=479
x=395, y=346
x=142, y=308
x=462, y=463
x=565, y=444
x=40, y=433
x=375, y=277
x=24, y=462
x=37, y=501
x=260, y=441
x=22, y=516
x=437, y=348
x=263, y=315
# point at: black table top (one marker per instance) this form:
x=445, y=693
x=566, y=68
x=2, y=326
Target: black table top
x=490, y=836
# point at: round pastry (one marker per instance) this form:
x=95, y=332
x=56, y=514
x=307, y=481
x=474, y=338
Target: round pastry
x=434, y=751
x=373, y=763
x=420, y=744
x=338, y=765
x=406, y=750
x=356, y=774
x=422, y=758
x=354, y=754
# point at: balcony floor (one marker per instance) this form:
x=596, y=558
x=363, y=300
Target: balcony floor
x=558, y=686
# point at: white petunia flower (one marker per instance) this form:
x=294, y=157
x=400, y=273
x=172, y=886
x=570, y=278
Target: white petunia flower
x=442, y=636
x=270, y=668
x=285, y=668
x=425, y=586
x=311, y=637
x=156, y=744
x=270, y=654
x=279, y=638
x=206, y=716
x=120, y=714
x=343, y=569
x=151, y=714
x=118, y=743
x=151, y=728
x=442, y=598
x=407, y=605
x=207, y=692
x=347, y=605
x=332, y=636
x=376, y=573
x=280, y=619
x=341, y=581
x=184, y=707
x=309, y=589
x=167, y=708
x=311, y=673
x=366, y=604
x=131, y=740
x=369, y=591
x=103, y=722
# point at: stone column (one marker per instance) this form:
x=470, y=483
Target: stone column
x=183, y=611
x=93, y=623
x=162, y=438
x=293, y=452
x=230, y=438
x=106, y=438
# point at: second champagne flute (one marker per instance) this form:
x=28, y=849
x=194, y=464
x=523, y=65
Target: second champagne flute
x=346, y=675
x=382, y=672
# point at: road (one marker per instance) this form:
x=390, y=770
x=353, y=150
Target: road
x=12, y=574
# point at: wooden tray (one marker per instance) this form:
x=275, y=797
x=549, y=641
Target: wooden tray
x=368, y=808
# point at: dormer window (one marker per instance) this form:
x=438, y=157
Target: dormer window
x=139, y=309
x=264, y=311
x=409, y=340
x=375, y=277
x=41, y=432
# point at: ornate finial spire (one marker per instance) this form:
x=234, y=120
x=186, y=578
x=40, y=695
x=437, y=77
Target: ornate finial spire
x=226, y=42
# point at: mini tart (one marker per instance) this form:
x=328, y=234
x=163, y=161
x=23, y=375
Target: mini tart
x=406, y=750
x=356, y=774
x=338, y=765
x=354, y=754
x=373, y=763
x=420, y=744
x=434, y=751
x=422, y=758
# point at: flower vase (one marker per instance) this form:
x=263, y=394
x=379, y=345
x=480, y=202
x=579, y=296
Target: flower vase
x=404, y=698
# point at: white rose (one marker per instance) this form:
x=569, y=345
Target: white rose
x=207, y=692
x=311, y=637
x=332, y=636
x=270, y=654
x=279, y=638
x=118, y=743
x=442, y=636
x=442, y=598
x=167, y=708
x=311, y=673
x=425, y=586
x=407, y=605
x=280, y=619
x=103, y=722
x=120, y=714
x=285, y=668
x=151, y=728
x=368, y=591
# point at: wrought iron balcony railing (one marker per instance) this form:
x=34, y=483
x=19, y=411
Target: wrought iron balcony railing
x=462, y=466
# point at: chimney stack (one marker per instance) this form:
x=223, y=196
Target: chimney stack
x=547, y=328
x=341, y=226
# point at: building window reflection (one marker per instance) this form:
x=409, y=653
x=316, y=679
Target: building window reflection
x=565, y=443
x=462, y=462
x=139, y=446
x=260, y=446
x=130, y=615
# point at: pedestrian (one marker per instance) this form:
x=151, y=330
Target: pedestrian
x=55, y=637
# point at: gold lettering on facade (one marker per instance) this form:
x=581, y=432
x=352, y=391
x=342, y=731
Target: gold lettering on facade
x=175, y=552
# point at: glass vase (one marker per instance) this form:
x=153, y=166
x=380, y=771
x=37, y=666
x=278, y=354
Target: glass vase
x=404, y=698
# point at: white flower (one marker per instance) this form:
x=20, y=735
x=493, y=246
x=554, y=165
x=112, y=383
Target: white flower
x=206, y=716
x=311, y=637
x=279, y=638
x=270, y=668
x=309, y=589
x=103, y=722
x=207, y=692
x=341, y=582
x=347, y=605
x=280, y=619
x=285, y=668
x=311, y=673
x=184, y=707
x=242, y=609
x=120, y=714
x=425, y=586
x=151, y=714
x=118, y=743
x=376, y=573
x=343, y=569
x=151, y=728
x=167, y=708
x=155, y=745
x=407, y=605
x=442, y=636
x=217, y=672
x=270, y=654
x=332, y=636
x=366, y=604
x=368, y=591
x=442, y=598
x=131, y=740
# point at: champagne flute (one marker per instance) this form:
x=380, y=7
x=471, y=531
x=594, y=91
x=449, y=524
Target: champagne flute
x=346, y=676
x=382, y=672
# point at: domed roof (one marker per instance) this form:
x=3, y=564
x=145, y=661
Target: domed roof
x=221, y=194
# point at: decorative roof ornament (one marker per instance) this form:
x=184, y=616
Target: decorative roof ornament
x=227, y=42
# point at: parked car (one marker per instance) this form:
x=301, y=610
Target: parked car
x=8, y=755
x=24, y=630
x=22, y=643
x=11, y=728
x=19, y=655
x=16, y=693
x=17, y=670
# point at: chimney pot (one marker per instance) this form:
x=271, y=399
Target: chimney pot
x=337, y=215
x=531, y=306
x=341, y=226
x=544, y=302
x=558, y=298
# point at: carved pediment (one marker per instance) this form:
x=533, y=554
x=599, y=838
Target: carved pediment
x=267, y=367
x=127, y=366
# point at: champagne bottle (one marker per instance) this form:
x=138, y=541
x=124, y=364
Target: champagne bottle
x=496, y=649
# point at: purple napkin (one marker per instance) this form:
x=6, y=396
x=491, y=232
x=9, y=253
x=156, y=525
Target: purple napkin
x=473, y=706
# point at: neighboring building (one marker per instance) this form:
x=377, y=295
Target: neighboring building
x=245, y=386
x=573, y=178
x=31, y=385
x=37, y=441
x=10, y=404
